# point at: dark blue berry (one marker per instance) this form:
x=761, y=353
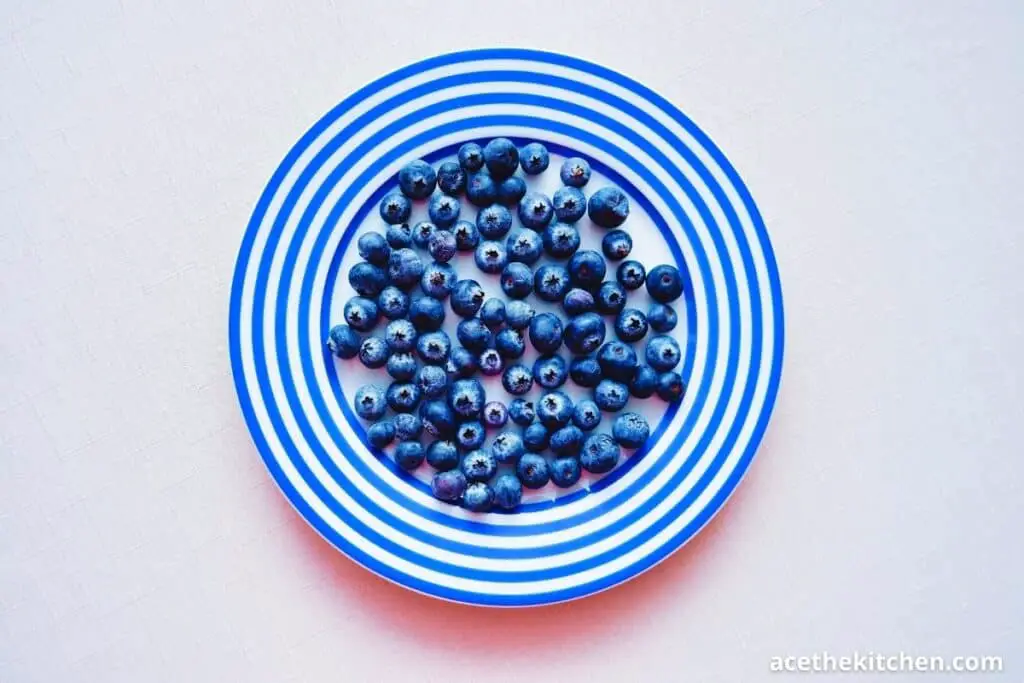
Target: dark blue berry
x=405, y=268
x=570, y=204
x=403, y=397
x=478, y=497
x=343, y=341
x=600, y=453
x=585, y=371
x=518, y=314
x=587, y=269
x=566, y=441
x=565, y=471
x=408, y=427
x=466, y=236
x=417, y=179
x=494, y=222
x=402, y=366
x=432, y=380
x=561, y=240
x=367, y=279
x=478, y=465
x=508, y=491
x=361, y=314
x=586, y=415
x=443, y=455
x=463, y=362
x=426, y=314
x=380, y=434
x=535, y=437
x=670, y=387
x=618, y=361
x=448, y=486
x=608, y=207
x=535, y=211
x=521, y=411
x=534, y=158
x=610, y=395
x=369, y=402
x=532, y=470
x=395, y=208
x=470, y=435
x=451, y=178
x=409, y=455
x=507, y=447
x=510, y=343
x=373, y=352
x=442, y=246
x=585, y=333
x=550, y=372
x=611, y=298
x=546, y=332
x=511, y=190
x=631, y=325
x=471, y=157
x=444, y=210
x=491, y=362
x=400, y=335
x=438, y=280
x=374, y=248
x=644, y=382
x=491, y=257
x=467, y=397
x=577, y=302
x=631, y=274
x=393, y=302
x=495, y=414
x=517, y=280
x=662, y=317
x=501, y=157
x=662, y=353
x=399, y=236
x=492, y=313
x=467, y=298
x=421, y=233
x=438, y=418
x=575, y=172
x=554, y=409
x=616, y=245
x=433, y=347
x=631, y=430
x=524, y=246
x=473, y=334
x=481, y=190
x=664, y=284
x=551, y=282
x=517, y=380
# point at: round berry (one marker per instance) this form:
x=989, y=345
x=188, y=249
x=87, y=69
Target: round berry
x=491, y=363
x=417, y=179
x=644, y=382
x=551, y=282
x=405, y=268
x=585, y=333
x=600, y=453
x=343, y=341
x=400, y=335
x=409, y=455
x=466, y=397
x=494, y=222
x=521, y=411
x=421, y=233
x=367, y=279
x=518, y=314
x=491, y=257
x=495, y=414
x=432, y=380
x=630, y=275
x=467, y=298
x=566, y=441
x=532, y=470
x=575, y=172
x=444, y=210
x=380, y=434
x=534, y=158
x=670, y=387
x=399, y=236
x=631, y=430
x=662, y=317
x=570, y=204
x=438, y=419
x=546, y=332
x=524, y=246
x=426, y=314
x=501, y=157
x=586, y=415
x=662, y=353
x=470, y=435
x=507, y=447
x=448, y=486
x=463, y=362
x=550, y=372
x=395, y=208
x=402, y=366
x=631, y=325
x=554, y=409
x=577, y=302
x=565, y=472
x=408, y=427
x=617, y=360
x=664, y=284
x=374, y=248
x=403, y=397
x=535, y=437
x=616, y=245
x=585, y=371
x=478, y=465
x=561, y=240
x=508, y=491
x=442, y=246
x=361, y=314
x=511, y=190
x=373, y=352
x=510, y=343
x=480, y=189
x=473, y=334
x=393, y=302
x=610, y=395
x=535, y=211
x=471, y=157
x=587, y=269
x=443, y=455
x=451, y=178
x=608, y=207
x=433, y=347
x=517, y=280
x=611, y=298
x=517, y=380
x=466, y=236
x=369, y=402
x=478, y=497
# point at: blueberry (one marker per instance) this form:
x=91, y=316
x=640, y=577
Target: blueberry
x=600, y=453
x=631, y=274
x=369, y=402
x=546, y=332
x=438, y=280
x=426, y=314
x=610, y=395
x=532, y=470
x=491, y=363
x=463, y=362
x=664, y=284
x=442, y=246
x=417, y=179
x=471, y=157
x=517, y=380
x=395, y=208
x=586, y=415
x=432, y=380
x=448, y=486
x=517, y=280
x=438, y=418
x=662, y=353
x=644, y=382
x=670, y=387
x=494, y=222
x=409, y=455
x=511, y=190
x=492, y=313
x=466, y=397
x=566, y=441
x=495, y=414
x=380, y=434
x=585, y=371
x=400, y=335
x=402, y=366
x=473, y=334
x=508, y=491
x=405, y=268
x=373, y=352
x=443, y=455
x=491, y=257
x=451, y=179
x=577, y=302
x=399, y=236
x=570, y=204
x=478, y=465
x=374, y=248
x=367, y=279
x=662, y=317
x=510, y=343
x=501, y=157
x=481, y=190
x=470, y=435
x=575, y=172
x=587, y=269
x=393, y=302
x=631, y=430
x=534, y=158
x=467, y=298
x=535, y=437
x=611, y=298
x=608, y=207
x=551, y=282
x=433, y=347
x=421, y=233
x=616, y=245
x=361, y=314
x=585, y=333
x=565, y=472
x=444, y=210
x=561, y=240
x=518, y=314
x=524, y=246
x=618, y=361
x=521, y=411
x=478, y=497
x=554, y=409
x=535, y=211
x=408, y=427
x=466, y=236
x=507, y=447
x=343, y=341
x=403, y=397
x=631, y=325
x=550, y=372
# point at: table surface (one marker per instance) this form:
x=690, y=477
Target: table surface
x=142, y=538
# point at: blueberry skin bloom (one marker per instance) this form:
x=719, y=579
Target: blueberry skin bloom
x=399, y=236
x=367, y=279
x=611, y=396
x=492, y=313
x=586, y=415
x=616, y=245
x=421, y=233
x=448, y=486
x=585, y=333
x=467, y=298
x=532, y=470
x=491, y=257
x=451, y=179
x=585, y=371
x=361, y=314
x=443, y=455
x=433, y=347
x=403, y=397
x=508, y=492
x=611, y=298
x=608, y=207
x=534, y=158
x=442, y=246
x=521, y=411
x=507, y=447
x=478, y=497
x=566, y=441
x=491, y=362
x=471, y=157
x=550, y=372
x=631, y=325
x=426, y=314
x=374, y=248
x=408, y=427
x=481, y=190
x=517, y=380
x=369, y=402
x=535, y=211
x=466, y=397
x=664, y=284
x=438, y=419
x=524, y=246
x=535, y=437
x=518, y=314
x=600, y=453
x=393, y=302
x=501, y=157
x=405, y=268
x=570, y=204
x=510, y=343
x=554, y=409
x=478, y=465
x=662, y=317
x=466, y=236
x=432, y=381
x=618, y=361
x=494, y=222
x=395, y=208
x=565, y=471
x=631, y=274
x=402, y=366
x=495, y=414
x=443, y=210
x=551, y=282
x=343, y=341
x=463, y=362
x=380, y=434
x=662, y=353
x=670, y=387
x=587, y=269
x=511, y=190
x=417, y=179
x=470, y=435
x=473, y=334
x=373, y=352
x=575, y=172
x=409, y=455
x=631, y=430
x=400, y=336
x=561, y=240
x=578, y=301
x=644, y=382
x=517, y=280
x=546, y=332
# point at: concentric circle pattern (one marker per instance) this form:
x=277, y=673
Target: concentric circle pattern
x=290, y=394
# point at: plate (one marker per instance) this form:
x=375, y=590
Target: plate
x=688, y=207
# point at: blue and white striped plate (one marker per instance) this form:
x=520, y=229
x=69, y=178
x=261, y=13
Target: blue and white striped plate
x=690, y=207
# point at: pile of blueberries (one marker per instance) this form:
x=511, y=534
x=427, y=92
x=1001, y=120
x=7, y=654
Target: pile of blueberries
x=435, y=389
